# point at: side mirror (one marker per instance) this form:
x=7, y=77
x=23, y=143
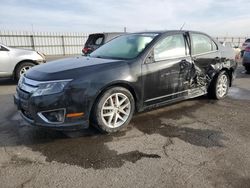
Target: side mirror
x=150, y=58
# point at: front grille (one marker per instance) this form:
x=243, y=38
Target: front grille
x=23, y=94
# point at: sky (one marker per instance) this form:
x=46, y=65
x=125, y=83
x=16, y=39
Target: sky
x=215, y=17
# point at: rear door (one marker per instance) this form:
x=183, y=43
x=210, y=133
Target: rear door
x=204, y=51
x=165, y=77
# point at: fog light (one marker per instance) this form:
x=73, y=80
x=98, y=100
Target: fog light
x=53, y=116
x=73, y=115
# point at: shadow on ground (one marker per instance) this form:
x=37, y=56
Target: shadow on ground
x=7, y=82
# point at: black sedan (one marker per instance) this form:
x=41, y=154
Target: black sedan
x=133, y=72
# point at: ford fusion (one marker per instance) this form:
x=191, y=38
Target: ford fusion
x=131, y=73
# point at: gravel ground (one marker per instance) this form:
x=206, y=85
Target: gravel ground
x=195, y=143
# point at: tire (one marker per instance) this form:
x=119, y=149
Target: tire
x=219, y=86
x=108, y=115
x=247, y=69
x=22, y=68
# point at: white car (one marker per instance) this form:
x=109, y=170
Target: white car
x=235, y=48
x=14, y=62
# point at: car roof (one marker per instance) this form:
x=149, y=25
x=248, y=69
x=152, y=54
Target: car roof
x=108, y=33
x=168, y=31
x=149, y=32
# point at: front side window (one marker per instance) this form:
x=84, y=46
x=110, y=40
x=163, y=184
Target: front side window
x=124, y=47
x=202, y=44
x=170, y=47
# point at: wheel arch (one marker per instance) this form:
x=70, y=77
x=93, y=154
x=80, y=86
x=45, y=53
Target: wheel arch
x=123, y=84
x=19, y=63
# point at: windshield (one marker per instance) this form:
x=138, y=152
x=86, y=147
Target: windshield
x=124, y=47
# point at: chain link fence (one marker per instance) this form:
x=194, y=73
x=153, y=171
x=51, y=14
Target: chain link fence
x=51, y=43
x=236, y=41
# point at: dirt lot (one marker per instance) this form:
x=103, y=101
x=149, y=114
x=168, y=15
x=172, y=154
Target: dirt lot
x=196, y=143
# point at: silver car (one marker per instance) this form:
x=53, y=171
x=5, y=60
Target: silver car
x=14, y=62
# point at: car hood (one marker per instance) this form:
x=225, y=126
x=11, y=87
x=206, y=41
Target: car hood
x=22, y=51
x=26, y=54
x=68, y=68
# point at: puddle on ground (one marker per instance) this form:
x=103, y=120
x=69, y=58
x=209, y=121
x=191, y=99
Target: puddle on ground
x=87, y=148
x=88, y=153
x=239, y=93
x=151, y=124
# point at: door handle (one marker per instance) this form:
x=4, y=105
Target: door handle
x=194, y=58
x=217, y=59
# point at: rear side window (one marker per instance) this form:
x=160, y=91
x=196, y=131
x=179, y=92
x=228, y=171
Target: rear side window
x=170, y=47
x=202, y=44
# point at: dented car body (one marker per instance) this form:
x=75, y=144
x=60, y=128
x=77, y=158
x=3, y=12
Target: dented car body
x=148, y=69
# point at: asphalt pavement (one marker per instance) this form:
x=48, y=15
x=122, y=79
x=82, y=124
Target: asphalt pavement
x=195, y=143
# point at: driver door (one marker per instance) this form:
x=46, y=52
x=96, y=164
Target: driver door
x=165, y=70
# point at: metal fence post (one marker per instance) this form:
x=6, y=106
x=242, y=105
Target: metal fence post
x=32, y=42
x=63, y=45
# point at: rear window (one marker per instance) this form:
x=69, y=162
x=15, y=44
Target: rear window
x=96, y=39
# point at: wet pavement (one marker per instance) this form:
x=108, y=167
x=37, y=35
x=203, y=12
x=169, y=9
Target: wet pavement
x=195, y=143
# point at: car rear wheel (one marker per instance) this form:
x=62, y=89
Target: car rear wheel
x=247, y=69
x=22, y=68
x=219, y=86
x=114, y=109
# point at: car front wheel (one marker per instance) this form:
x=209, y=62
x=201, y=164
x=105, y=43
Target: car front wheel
x=114, y=109
x=22, y=68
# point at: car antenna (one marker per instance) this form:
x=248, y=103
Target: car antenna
x=182, y=26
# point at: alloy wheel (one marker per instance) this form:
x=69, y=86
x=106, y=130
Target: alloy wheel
x=222, y=86
x=116, y=110
x=24, y=69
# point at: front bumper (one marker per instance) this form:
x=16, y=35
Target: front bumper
x=30, y=107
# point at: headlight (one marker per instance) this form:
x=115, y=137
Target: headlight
x=48, y=88
x=20, y=81
x=41, y=54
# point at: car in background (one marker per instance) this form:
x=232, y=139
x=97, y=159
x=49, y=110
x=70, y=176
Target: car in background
x=232, y=46
x=133, y=72
x=14, y=62
x=246, y=58
x=96, y=40
x=244, y=45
